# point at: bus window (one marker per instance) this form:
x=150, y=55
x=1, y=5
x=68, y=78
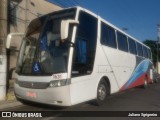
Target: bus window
x=145, y=52
x=132, y=46
x=44, y=52
x=139, y=49
x=149, y=53
x=85, y=45
x=122, y=42
x=81, y=50
x=108, y=37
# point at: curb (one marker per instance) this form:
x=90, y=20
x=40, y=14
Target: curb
x=10, y=105
x=10, y=102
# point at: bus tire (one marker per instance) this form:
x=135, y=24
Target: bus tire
x=145, y=83
x=102, y=92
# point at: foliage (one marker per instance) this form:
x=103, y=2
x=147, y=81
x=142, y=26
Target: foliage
x=153, y=45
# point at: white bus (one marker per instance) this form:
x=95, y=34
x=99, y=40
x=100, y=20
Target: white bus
x=73, y=55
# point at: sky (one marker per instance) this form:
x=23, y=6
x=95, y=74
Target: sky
x=140, y=17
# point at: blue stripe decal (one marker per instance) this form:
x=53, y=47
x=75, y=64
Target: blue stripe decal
x=139, y=71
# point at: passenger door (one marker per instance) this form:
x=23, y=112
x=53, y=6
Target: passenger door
x=83, y=58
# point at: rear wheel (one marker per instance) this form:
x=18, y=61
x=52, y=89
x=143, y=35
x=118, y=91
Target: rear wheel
x=102, y=92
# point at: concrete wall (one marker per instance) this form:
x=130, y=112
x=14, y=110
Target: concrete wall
x=21, y=12
x=3, y=25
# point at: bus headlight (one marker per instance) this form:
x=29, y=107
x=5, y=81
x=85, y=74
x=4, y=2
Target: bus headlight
x=57, y=83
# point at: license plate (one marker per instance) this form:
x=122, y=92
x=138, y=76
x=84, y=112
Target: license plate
x=31, y=94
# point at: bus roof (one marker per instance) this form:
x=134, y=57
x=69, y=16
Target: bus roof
x=101, y=19
x=110, y=24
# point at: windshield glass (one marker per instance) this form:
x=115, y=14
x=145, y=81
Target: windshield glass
x=42, y=51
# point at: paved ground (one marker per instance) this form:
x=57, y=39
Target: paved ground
x=137, y=99
x=10, y=101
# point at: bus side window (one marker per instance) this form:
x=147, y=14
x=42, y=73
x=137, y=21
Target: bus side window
x=122, y=42
x=145, y=52
x=85, y=45
x=132, y=46
x=149, y=53
x=108, y=36
x=139, y=49
x=81, y=51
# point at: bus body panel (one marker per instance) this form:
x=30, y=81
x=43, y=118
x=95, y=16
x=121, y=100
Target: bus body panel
x=142, y=71
x=121, y=67
x=59, y=96
x=82, y=89
x=104, y=69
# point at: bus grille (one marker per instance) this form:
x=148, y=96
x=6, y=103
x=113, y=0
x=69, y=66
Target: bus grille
x=33, y=85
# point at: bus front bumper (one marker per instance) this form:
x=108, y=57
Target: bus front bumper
x=58, y=96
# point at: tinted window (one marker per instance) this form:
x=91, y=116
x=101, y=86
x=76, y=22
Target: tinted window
x=139, y=49
x=149, y=53
x=145, y=52
x=85, y=45
x=108, y=36
x=132, y=46
x=122, y=42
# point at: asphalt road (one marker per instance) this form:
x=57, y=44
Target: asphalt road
x=137, y=99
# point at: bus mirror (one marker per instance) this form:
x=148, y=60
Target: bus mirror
x=65, y=27
x=13, y=40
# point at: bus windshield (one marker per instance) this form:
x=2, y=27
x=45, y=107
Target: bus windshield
x=42, y=51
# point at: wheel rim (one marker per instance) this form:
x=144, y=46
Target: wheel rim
x=102, y=92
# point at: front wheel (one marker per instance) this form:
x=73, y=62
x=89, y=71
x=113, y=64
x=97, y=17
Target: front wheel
x=102, y=92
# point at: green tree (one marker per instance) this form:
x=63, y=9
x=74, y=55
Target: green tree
x=153, y=45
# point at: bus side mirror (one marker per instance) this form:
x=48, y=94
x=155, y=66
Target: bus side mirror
x=12, y=43
x=65, y=28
